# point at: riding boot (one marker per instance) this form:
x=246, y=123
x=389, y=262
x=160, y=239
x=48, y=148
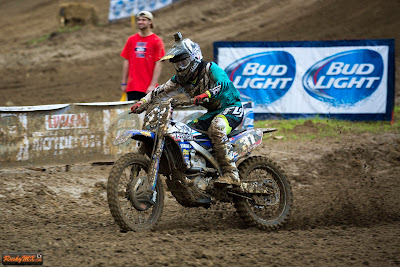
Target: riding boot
x=224, y=155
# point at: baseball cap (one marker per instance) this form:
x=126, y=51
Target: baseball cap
x=145, y=14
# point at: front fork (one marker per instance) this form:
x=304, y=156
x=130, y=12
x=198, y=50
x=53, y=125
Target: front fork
x=159, y=145
x=155, y=164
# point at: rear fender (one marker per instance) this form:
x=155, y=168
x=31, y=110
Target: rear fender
x=245, y=142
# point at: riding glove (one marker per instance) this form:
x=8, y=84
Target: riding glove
x=136, y=106
x=199, y=98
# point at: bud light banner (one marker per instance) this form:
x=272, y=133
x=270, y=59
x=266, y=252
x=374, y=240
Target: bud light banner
x=343, y=79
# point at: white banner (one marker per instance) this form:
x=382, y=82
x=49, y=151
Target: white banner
x=75, y=133
x=120, y=9
x=347, y=78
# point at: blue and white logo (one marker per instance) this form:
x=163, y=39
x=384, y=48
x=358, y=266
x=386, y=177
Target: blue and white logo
x=117, y=7
x=345, y=78
x=265, y=77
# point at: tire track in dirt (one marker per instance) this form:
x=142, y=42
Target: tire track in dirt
x=346, y=209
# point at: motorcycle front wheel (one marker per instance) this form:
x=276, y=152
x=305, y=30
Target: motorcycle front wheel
x=126, y=181
x=267, y=211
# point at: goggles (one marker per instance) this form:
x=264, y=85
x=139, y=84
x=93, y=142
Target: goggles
x=183, y=64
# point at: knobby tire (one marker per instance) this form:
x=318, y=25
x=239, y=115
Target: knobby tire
x=242, y=205
x=129, y=161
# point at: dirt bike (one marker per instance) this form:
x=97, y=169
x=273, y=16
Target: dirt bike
x=185, y=157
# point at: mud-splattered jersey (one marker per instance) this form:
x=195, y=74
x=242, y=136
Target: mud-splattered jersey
x=211, y=80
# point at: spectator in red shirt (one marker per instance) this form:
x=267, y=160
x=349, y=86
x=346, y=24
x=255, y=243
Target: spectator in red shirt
x=141, y=68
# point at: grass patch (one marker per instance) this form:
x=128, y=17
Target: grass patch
x=309, y=129
x=39, y=40
x=47, y=36
x=69, y=29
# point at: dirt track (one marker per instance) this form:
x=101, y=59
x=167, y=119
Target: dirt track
x=85, y=66
x=346, y=190
x=346, y=212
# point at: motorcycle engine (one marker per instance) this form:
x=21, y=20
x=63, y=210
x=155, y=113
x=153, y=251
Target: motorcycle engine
x=197, y=162
x=196, y=176
x=200, y=183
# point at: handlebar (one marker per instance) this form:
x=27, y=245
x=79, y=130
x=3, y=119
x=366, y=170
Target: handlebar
x=179, y=103
x=174, y=103
x=190, y=102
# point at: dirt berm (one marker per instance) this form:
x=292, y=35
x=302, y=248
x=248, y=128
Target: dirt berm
x=346, y=190
x=85, y=66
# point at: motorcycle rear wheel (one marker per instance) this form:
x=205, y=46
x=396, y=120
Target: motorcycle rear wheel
x=124, y=175
x=265, y=211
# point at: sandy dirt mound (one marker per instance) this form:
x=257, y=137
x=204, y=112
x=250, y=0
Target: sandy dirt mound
x=346, y=212
x=85, y=66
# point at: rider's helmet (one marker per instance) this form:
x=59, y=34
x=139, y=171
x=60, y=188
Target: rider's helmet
x=186, y=56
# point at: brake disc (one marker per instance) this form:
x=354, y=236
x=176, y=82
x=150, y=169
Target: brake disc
x=139, y=194
x=270, y=199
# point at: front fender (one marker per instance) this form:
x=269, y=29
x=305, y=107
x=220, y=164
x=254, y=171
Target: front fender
x=140, y=135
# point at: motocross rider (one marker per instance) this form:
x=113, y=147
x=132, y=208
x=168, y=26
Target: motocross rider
x=200, y=80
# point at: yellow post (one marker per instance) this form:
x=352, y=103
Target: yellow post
x=133, y=22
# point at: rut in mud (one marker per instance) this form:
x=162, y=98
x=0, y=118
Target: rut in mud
x=346, y=208
x=346, y=205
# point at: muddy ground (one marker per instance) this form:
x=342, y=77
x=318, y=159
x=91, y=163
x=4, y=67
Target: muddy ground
x=346, y=212
x=346, y=190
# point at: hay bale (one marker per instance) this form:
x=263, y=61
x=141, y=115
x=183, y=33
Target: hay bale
x=72, y=14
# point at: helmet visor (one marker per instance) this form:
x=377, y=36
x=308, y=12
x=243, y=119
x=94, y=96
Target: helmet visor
x=183, y=64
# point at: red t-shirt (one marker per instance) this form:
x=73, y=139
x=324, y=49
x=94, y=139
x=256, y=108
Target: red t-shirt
x=142, y=54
